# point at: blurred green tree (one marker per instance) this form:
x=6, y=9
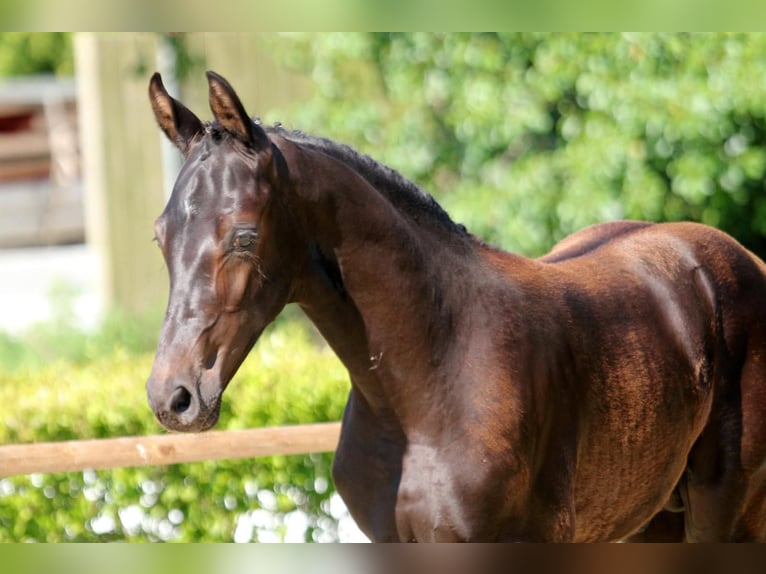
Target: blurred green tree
x=528, y=137
x=24, y=53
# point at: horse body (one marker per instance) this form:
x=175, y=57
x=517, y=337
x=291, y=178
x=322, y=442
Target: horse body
x=611, y=362
x=612, y=388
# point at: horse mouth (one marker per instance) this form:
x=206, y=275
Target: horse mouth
x=209, y=420
x=199, y=424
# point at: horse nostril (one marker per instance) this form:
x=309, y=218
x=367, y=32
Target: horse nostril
x=180, y=401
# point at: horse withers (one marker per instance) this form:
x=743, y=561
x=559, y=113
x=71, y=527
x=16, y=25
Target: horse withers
x=612, y=389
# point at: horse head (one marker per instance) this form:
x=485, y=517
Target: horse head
x=229, y=275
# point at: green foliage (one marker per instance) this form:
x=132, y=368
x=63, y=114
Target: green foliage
x=528, y=137
x=288, y=379
x=24, y=53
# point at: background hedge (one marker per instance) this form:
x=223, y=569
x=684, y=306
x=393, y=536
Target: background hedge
x=527, y=137
x=290, y=378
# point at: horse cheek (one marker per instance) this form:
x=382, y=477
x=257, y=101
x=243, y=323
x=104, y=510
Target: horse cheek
x=237, y=281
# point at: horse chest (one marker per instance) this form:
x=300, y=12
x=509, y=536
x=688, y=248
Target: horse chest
x=447, y=495
x=430, y=499
x=400, y=492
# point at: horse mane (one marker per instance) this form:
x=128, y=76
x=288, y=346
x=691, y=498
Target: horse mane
x=403, y=194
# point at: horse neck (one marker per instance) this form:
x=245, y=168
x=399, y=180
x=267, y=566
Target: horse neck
x=398, y=294
x=338, y=320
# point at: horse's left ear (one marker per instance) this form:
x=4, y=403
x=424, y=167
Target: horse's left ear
x=176, y=120
x=230, y=113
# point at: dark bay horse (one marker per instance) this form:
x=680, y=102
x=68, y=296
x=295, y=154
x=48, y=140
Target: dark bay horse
x=613, y=389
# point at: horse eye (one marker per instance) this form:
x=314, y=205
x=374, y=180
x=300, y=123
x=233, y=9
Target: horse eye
x=244, y=241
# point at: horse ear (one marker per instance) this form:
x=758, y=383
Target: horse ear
x=176, y=120
x=230, y=113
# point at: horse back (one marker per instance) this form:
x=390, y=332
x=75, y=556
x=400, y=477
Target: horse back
x=590, y=238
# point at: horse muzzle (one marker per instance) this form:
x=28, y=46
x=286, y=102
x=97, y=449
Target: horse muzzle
x=183, y=407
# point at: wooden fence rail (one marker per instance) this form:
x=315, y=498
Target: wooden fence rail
x=70, y=456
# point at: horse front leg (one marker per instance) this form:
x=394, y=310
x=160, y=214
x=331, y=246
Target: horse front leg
x=367, y=470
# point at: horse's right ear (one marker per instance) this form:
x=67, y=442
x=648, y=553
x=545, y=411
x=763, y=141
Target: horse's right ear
x=176, y=120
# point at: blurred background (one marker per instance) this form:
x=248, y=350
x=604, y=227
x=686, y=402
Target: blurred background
x=522, y=137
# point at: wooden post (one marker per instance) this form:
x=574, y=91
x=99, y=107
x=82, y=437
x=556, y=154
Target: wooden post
x=245, y=60
x=122, y=163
